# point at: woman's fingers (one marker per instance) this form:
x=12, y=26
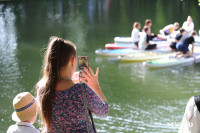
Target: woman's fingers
x=92, y=72
x=89, y=74
x=85, y=74
x=97, y=72
x=87, y=71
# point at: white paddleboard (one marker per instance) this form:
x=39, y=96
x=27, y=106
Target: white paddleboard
x=172, y=61
x=144, y=56
x=116, y=52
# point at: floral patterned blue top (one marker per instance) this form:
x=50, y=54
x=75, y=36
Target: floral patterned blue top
x=68, y=113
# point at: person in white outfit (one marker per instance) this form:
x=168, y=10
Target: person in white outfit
x=191, y=118
x=144, y=43
x=26, y=110
x=188, y=25
x=169, y=29
x=135, y=33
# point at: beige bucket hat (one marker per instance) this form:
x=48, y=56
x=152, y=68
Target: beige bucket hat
x=25, y=106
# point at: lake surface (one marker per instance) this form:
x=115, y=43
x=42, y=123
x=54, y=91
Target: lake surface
x=141, y=99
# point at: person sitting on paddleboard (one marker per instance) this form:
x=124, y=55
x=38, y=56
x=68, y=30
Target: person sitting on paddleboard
x=144, y=40
x=169, y=29
x=177, y=38
x=135, y=33
x=148, y=23
x=183, y=47
x=188, y=25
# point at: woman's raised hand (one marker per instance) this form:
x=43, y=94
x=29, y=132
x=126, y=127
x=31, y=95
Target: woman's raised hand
x=90, y=78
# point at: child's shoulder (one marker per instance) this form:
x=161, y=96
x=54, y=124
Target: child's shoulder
x=12, y=128
x=22, y=129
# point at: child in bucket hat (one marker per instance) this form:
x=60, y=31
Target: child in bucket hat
x=26, y=110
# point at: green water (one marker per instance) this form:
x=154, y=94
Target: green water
x=141, y=99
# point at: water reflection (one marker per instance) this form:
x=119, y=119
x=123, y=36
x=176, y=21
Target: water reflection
x=9, y=68
x=135, y=68
x=134, y=118
x=98, y=10
x=70, y=17
x=8, y=45
x=55, y=12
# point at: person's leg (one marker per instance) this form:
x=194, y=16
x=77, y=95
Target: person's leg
x=180, y=49
x=173, y=46
x=161, y=37
x=150, y=47
x=186, y=51
x=178, y=53
x=136, y=44
x=154, y=46
x=187, y=54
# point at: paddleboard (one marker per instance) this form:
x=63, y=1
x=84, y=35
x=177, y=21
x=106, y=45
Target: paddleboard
x=197, y=39
x=116, y=46
x=122, y=40
x=116, y=52
x=162, y=44
x=196, y=48
x=144, y=56
x=172, y=61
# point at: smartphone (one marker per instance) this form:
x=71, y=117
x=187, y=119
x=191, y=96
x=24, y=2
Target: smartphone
x=83, y=61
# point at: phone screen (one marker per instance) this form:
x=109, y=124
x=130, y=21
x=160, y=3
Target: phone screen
x=83, y=61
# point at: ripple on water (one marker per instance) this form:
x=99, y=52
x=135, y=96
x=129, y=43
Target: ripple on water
x=130, y=118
